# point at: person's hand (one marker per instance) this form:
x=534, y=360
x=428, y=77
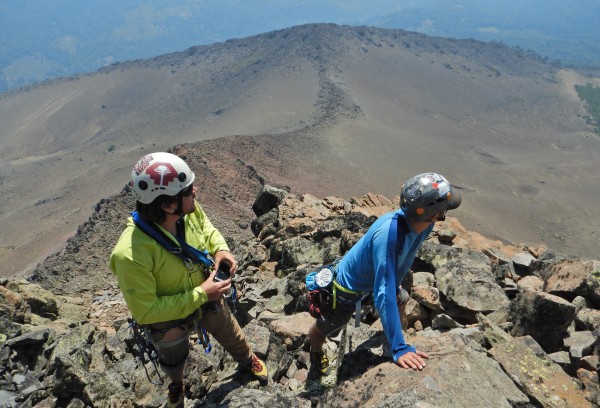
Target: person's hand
x=214, y=290
x=412, y=360
x=227, y=257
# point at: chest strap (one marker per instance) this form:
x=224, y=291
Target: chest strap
x=187, y=253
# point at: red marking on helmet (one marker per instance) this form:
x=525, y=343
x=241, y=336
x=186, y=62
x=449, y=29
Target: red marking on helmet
x=434, y=185
x=162, y=173
x=420, y=211
x=142, y=164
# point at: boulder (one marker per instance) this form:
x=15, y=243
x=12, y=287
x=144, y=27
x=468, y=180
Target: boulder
x=580, y=344
x=572, y=277
x=537, y=375
x=543, y=316
x=42, y=301
x=468, y=287
x=452, y=367
x=521, y=263
x=587, y=319
x=268, y=198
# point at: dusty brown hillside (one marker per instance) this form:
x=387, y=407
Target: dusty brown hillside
x=328, y=110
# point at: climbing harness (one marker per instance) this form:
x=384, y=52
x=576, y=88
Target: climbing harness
x=325, y=293
x=203, y=338
x=347, y=298
x=146, y=352
x=231, y=298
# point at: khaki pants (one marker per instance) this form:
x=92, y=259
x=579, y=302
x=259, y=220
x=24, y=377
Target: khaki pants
x=173, y=344
x=225, y=329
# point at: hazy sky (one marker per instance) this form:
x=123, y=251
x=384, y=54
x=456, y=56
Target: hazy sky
x=41, y=39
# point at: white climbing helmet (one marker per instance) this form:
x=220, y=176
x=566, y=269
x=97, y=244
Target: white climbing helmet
x=158, y=174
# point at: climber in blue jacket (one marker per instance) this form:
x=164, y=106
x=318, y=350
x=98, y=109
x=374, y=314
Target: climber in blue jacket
x=378, y=262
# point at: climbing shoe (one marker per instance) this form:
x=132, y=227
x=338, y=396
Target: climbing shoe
x=175, y=396
x=321, y=362
x=258, y=369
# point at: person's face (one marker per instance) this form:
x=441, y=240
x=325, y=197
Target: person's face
x=441, y=216
x=189, y=199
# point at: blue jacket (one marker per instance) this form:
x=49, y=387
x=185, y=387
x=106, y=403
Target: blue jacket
x=377, y=263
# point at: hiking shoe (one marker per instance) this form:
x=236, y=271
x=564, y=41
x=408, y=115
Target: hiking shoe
x=321, y=362
x=175, y=396
x=258, y=369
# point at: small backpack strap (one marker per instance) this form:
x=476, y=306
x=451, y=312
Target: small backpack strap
x=184, y=251
x=403, y=230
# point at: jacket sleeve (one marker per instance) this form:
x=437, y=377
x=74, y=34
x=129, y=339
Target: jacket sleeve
x=213, y=238
x=384, y=291
x=138, y=286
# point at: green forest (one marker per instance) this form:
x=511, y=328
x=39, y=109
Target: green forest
x=591, y=96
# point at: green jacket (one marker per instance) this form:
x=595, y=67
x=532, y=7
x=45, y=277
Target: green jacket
x=156, y=285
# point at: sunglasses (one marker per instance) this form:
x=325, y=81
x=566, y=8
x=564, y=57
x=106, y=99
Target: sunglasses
x=186, y=192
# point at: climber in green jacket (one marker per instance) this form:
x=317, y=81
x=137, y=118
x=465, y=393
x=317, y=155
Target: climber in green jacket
x=165, y=294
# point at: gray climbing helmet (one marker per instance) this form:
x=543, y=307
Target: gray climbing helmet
x=426, y=195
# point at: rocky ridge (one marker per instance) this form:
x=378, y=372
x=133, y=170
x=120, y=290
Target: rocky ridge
x=504, y=325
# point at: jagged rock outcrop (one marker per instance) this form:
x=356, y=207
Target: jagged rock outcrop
x=501, y=330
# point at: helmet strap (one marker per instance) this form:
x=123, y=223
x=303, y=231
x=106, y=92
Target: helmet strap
x=179, y=210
